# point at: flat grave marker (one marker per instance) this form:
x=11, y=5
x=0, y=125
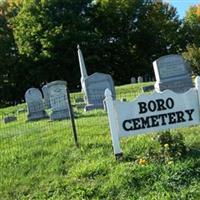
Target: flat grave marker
x=9, y=119
x=140, y=79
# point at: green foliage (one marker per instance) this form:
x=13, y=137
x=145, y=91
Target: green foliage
x=158, y=36
x=192, y=28
x=118, y=37
x=192, y=55
x=8, y=56
x=46, y=33
x=192, y=24
x=130, y=35
x=172, y=146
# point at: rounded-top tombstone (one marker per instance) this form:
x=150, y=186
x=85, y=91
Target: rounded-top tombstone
x=58, y=100
x=140, y=79
x=133, y=80
x=35, y=104
x=95, y=86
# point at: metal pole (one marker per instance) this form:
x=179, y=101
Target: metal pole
x=71, y=114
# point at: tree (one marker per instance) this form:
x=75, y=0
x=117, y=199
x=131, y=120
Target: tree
x=158, y=31
x=131, y=34
x=192, y=24
x=113, y=23
x=46, y=34
x=8, y=55
x=116, y=36
x=193, y=56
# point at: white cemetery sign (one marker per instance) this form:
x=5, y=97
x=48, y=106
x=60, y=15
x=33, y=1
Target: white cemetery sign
x=94, y=85
x=149, y=113
x=172, y=72
x=35, y=104
x=58, y=100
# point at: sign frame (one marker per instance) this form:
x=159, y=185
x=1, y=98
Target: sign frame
x=152, y=113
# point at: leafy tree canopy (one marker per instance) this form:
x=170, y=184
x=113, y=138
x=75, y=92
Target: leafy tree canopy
x=120, y=37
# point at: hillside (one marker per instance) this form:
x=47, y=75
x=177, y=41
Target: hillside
x=39, y=160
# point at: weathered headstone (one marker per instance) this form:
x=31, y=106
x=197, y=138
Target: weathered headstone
x=58, y=100
x=133, y=80
x=147, y=77
x=148, y=88
x=35, y=104
x=9, y=119
x=21, y=110
x=173, y=73
x=94, y=86
x=140, y=79
x=46, y=96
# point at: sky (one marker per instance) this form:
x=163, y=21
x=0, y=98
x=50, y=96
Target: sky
x=182, y=5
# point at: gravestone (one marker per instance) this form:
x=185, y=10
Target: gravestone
x=148, y=88
x=140, y=79
x=94, y=86
x=9, y=119
x=147, y=77
x=46, y=96
x=173, y=73
x=58, y=100
x=21, y=110
x=35, y=104
x=133, y=80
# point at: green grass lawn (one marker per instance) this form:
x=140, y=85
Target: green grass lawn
x=39, y=160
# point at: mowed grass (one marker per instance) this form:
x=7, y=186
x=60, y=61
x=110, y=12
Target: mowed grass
x=39, y=160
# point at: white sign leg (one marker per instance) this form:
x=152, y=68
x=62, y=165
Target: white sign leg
x=113, y=124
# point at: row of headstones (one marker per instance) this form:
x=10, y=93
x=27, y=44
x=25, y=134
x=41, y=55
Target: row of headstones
x=55, y=98
x=171, y=72
x=94, y=86
x=141, y=79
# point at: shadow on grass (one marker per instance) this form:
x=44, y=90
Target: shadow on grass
x=194, y=152
x=129, y=158
x=88, y=115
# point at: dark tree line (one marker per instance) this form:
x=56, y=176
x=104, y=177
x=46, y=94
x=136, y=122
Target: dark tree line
x=38, y=40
